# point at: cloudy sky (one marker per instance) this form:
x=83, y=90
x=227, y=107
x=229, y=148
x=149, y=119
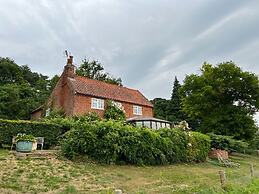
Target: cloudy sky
x=145, y=42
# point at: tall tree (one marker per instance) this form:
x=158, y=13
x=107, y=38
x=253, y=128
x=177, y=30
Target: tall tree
x=21, y=90
x=223, y=100
x=17, y=100
x=170, y=109
x=160, y=107
x=174, y=105
x=10, y=72
x=94, y=70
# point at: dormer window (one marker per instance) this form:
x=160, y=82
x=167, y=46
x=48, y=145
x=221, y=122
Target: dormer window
x=97, y=104
x=137, y=110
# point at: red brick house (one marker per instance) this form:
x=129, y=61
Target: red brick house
x=77, y=95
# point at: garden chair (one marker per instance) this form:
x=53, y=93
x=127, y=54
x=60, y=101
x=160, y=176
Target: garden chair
x=13, y=142
x=40, y=141
x=226, y=162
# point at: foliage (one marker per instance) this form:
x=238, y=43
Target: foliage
x=94, y=70
x=88, y=117
x=160, y=108
x=227, y=143
x=16, y=101
x=174, y=107
x=252, y=187
x=114, y=142
x=10, y=128
x=56, y=113
x=9, y=72
x=68, y=122
x=114, y=111
x=223, y=100
x=254, y=143
x=183, y=125
x=24, y=137
x=21, y=90
x=171, y=109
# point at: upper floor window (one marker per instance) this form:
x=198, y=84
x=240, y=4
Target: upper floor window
x=97, y=103
x=137, y=110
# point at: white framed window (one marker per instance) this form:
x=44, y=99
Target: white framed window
x=97, y=104
x=137, y=110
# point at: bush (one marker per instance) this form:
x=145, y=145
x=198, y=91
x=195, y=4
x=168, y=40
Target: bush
x=114, y=111
x=254, y=144
x=10, y=128
x=227, y=143
x=114, y=142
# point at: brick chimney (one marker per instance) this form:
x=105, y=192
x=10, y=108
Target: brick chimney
x=69, y=69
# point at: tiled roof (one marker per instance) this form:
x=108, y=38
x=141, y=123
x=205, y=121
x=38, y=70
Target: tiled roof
x=86, y=86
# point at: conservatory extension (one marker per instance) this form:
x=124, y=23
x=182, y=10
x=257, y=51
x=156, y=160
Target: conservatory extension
x=149, y=122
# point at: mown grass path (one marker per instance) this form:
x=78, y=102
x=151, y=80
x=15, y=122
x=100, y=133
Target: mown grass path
x=62, y=176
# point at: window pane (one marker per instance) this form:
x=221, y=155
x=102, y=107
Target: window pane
x=153, y=125
x=147, y=124
x=137, y=110
x=139, y=123
x=97, y=103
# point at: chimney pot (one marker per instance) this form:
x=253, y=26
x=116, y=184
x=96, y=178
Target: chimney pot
x=70, y=60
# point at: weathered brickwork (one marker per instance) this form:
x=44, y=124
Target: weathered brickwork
x=65, y=96
x=82, y=105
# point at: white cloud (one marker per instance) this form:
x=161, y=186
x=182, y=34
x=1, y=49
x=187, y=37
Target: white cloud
x=147, y=43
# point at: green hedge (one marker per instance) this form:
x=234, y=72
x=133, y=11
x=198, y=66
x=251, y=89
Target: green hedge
x=10, y=128
x=227, y=143
x=115, y=142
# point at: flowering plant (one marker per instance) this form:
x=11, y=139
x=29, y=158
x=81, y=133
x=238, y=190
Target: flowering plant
x=24, y=137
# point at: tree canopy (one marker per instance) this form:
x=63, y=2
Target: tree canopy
x=94, y=70
x=170, y=109
x=222, y=99
x=21, y=90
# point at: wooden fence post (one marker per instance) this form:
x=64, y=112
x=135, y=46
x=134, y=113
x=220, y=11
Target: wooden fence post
x=118, y=191
x=252, y=170
x=222, y=177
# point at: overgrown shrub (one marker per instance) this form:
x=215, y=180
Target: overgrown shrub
x=254, y=143
x=114, y=142
x=115, y=111
x=227, y=143
x=68, y=122
x=10, y=128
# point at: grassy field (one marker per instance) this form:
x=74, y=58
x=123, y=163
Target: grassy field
x=54, y=175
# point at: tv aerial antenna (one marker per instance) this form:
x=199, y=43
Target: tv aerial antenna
x=68, y=54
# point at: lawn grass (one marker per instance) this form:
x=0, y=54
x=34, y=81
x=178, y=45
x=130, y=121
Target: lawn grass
x=54, y=175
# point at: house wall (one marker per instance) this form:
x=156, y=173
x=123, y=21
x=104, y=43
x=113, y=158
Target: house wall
x=82, y=105
x=62, y=97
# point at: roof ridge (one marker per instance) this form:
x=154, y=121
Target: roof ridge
x=106, y=83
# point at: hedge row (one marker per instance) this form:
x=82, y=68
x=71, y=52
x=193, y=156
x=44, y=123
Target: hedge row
x=10, y=128
x=227, y=143
x=114, y=142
